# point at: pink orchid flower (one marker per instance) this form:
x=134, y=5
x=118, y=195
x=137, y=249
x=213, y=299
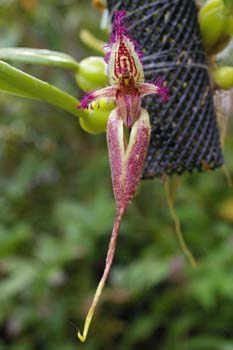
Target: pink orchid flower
x=127, y=155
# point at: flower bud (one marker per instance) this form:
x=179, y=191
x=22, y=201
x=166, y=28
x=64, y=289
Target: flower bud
x=214, y=19
x=97, y=116
x=223, y=77
x=91, y=74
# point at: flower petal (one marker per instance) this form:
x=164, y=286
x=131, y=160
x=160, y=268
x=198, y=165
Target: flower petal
x=156, y=88
x=127, y=162
x=135, y=155
x=108, y=91
x=116, y=150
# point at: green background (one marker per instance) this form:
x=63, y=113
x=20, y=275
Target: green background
x=56, y=215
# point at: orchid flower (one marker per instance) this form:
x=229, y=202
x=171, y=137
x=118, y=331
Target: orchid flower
x=127, y=154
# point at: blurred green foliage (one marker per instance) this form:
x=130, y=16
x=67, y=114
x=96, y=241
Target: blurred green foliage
x=56, y=215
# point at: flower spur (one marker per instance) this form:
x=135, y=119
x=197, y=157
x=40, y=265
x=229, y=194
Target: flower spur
x=126, y=154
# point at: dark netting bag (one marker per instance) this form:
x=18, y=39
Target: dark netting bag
x=184, y=130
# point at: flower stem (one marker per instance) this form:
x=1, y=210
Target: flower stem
x=227, y=175
x=178, y=231
x=108, y=264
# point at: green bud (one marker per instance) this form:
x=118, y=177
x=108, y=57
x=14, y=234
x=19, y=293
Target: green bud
x=223, y=77
x=96, y=120
x=91, y=74
x=214, y=19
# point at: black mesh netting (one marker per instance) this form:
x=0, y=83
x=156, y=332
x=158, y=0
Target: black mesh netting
x=184, y=130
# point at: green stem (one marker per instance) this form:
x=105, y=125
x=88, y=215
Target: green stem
x=178, y=231
x=109, y=260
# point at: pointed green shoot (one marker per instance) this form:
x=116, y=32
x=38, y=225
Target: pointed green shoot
x=91, y=41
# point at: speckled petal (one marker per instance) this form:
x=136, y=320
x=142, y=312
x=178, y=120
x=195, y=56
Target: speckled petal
x=135, y=155
x=127, y=162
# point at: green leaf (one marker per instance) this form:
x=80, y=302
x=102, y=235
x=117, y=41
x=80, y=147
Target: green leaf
x=11, y=239
x=38, y=56
x=16, y=82
x=229, y=5
x=19, y=280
